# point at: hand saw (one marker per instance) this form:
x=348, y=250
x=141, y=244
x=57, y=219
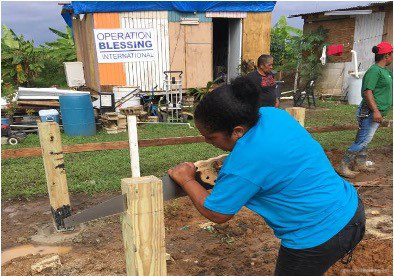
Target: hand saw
x=206, y=174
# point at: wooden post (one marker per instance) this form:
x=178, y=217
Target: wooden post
x=143, y=226
x=52, y=153
x=298, y=113
x=133, y=144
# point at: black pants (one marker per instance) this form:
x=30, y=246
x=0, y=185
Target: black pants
x=317, y=260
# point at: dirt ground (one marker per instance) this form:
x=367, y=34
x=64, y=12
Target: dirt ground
x=242, y=246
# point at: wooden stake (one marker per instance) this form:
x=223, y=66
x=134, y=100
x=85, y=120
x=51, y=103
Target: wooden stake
x=133, y=143
x=298, y=113
x=52, y=153
x=143, y=226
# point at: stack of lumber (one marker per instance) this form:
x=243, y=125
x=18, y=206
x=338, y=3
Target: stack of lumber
x=41, y=98
x=114, y=122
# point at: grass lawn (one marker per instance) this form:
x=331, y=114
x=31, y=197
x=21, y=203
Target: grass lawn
x=101, y=171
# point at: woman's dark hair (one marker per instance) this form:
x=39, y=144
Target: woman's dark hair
x=378, y=57
x=230, y=105
x=263, y=59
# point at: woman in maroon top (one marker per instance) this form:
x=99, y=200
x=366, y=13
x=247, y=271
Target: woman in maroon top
x=263, y=78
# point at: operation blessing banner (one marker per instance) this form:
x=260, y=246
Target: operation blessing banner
x=125, y=45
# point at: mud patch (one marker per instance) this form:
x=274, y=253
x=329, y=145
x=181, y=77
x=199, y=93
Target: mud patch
x=49, y=235
x=245, y=245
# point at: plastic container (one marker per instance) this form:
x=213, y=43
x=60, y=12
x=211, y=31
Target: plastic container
x=354, y=95
x=77, y=115
x=5, y=121
x=49, y=115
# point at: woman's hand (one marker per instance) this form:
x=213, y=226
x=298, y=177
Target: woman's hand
x=377, y=117
x=183, y=173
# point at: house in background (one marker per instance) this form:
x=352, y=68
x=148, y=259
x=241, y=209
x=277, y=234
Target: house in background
x=199, y=38
x=358, y=28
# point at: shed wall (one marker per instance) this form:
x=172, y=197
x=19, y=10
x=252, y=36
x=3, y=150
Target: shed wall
x=148, y=74
x=191, y=52
x=86, y=53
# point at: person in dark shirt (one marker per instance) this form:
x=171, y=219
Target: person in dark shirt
x=263, y=78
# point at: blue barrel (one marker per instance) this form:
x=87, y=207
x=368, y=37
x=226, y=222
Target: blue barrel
x=77, y=115
x=5, y=121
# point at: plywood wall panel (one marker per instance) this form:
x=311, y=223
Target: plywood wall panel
x=256, y=35
x=177, y=46
x=198, y=65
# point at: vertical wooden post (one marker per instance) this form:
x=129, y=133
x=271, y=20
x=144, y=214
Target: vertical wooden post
x=52, y=153
x=143, y=226
x=133, y=144
x=298, y=113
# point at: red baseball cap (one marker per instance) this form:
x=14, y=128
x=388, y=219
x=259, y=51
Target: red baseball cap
x=384, y=48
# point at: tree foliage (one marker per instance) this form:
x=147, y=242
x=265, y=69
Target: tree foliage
x=63, y=49
x=21, y=63
x=285, y=45
x=291, y=48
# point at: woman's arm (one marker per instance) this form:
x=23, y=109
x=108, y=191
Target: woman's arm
x=183, y=174
x=377, y=116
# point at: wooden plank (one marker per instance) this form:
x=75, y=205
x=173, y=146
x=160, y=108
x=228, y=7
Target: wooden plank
x=31, y=152
x=40, y=103
x=77, y=38
x=52, y=153
x=256, y=35
x=143, y=226
x=119, y=145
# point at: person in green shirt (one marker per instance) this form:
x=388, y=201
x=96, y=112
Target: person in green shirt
x=377, y=93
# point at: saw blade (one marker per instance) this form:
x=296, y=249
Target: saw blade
x=118, y=204
x=110, y=207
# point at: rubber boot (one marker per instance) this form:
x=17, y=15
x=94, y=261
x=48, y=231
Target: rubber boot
x=360, y=163
x=344, y=168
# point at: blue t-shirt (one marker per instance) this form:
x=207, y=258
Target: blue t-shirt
x=280, y=172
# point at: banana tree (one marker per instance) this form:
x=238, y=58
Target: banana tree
x=63, y=49
x=20, y=61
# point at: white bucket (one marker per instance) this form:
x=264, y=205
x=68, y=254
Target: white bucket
x=354, y=95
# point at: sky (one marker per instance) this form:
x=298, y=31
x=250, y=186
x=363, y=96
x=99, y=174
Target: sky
x=33, y=18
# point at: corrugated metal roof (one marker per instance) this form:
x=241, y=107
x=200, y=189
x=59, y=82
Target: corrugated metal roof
x=352, y=6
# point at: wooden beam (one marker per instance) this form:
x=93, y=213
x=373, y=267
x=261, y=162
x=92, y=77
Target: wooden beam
x=118, y=145
x=39, y=103
x=52, y=153
x=143, y=226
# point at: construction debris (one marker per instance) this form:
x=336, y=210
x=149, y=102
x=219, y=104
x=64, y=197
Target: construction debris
x=52, y=262
x=114, y=122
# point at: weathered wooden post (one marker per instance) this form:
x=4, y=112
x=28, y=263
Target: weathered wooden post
x=52, y=153
x=298, y=113
x=143, y=222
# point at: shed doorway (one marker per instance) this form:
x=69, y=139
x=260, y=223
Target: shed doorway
x=227, y=41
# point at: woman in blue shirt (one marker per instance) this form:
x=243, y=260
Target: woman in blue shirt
x=276, y=169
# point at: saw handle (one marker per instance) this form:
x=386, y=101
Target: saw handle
x=207, y=170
